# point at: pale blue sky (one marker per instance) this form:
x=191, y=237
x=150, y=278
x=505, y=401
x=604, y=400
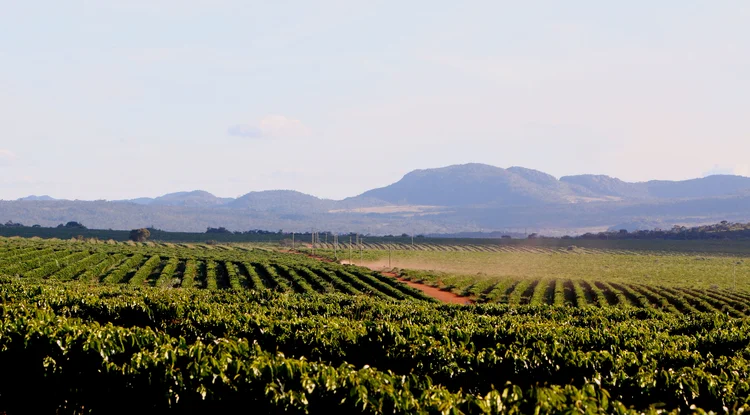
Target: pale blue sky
x=118, y=99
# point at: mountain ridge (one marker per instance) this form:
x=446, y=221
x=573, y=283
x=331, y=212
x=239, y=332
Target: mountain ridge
x=467, y=185
x=465, y=197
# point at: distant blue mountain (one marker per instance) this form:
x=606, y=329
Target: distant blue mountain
x=481, y=184
x=196, y=198
x=710, y=186
x=37, y=198
x=460, y=198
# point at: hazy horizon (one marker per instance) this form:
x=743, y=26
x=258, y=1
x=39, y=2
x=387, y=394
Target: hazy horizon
x=117, y=100
x=290, y=189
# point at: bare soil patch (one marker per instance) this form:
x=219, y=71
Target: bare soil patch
x=436, y=293
x=440, y=295
x=444, y=296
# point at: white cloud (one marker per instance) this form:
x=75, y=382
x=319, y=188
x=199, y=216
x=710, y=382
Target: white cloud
x=281, y=126
x=7, y=156
x=742, y=169
x=272, y=126
x=245, y=130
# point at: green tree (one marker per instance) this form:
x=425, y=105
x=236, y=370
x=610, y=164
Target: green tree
x=140, y=235
x=75, y=225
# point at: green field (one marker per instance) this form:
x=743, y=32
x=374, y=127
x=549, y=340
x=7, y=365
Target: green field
x=575, y=276
x=694, y=270
x=740, y=247
x=190, y=266
x=172, y=328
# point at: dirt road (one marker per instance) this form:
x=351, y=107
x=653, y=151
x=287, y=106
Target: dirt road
x=444, y=296
x=440, y=295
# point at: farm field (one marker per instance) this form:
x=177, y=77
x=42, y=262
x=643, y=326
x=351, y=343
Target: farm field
x=175, y=328
x=183, y=266
x=732, y=247
x=687, y=270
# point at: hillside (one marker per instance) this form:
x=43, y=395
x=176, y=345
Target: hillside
x=35, y=198
x=481, y=184
x=710, y=186
x=288, y=201
x=193, y=198
x=477, y=184
x=461, y=198
x=607, y=186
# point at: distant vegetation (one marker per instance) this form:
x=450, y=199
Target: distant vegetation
x=723, y=230
x=720, y=231
x=140, y=235
x=220, y=234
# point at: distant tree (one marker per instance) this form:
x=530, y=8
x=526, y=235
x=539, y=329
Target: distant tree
x=623, y=231
x=74, y=225
x=505, y=237
x=218, y=230
x=533, y=236
x=140, y=235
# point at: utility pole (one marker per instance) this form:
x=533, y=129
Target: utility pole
x=389, y=256
x=313, y=242
x=292, y=241
x=361, y=258
x=350, y=249
x=335, y=246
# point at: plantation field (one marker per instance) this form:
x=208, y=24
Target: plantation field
x=688, y=270
x=173, y=328
x=212, y=267
x=716, y=246
x=670, y=281
x=119, y=349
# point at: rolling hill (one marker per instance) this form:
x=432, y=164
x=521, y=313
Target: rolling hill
x=193, y=198
x=457, y=198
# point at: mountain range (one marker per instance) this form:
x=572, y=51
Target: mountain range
x=459, y=198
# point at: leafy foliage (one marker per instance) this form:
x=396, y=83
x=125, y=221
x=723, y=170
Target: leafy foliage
x=208, y=350
x=140, y=235
x=283, y=333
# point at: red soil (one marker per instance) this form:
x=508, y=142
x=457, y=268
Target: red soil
x=444, y=296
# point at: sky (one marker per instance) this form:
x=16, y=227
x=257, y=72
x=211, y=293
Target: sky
x=121, y=99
